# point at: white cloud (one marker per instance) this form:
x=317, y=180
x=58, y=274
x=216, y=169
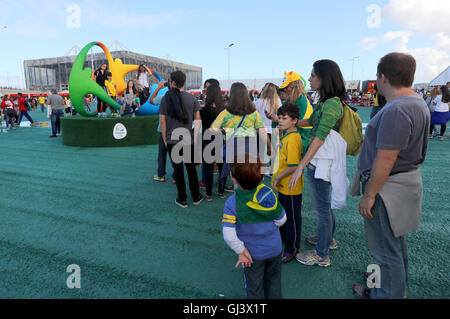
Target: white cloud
x=430, y=18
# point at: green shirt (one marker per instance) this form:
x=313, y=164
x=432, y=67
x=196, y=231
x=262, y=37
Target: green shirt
x=325, y=118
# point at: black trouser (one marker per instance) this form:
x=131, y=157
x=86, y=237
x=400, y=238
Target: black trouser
x=129, y=109
x=144, y=95
x=292, y=229
x=179, y=175
x=162, y=156
x=443, y=129
x=263, y=279
x=208, y=171
x=101, y=105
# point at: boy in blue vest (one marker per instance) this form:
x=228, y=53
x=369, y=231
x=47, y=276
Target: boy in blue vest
x=251, y=221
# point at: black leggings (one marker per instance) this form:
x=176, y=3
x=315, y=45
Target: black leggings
x=443, y=129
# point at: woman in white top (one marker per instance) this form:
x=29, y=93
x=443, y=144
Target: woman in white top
x=441, y=114
x=268, y=103
x=142, y=83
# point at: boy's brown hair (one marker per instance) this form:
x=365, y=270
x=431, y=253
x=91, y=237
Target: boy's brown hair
x=248, y=174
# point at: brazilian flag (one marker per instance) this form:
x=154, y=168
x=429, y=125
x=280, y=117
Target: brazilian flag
x=258, y=206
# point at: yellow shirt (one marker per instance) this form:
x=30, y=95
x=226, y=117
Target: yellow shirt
x=111, y=87
x=290, y=154
x=41, y=100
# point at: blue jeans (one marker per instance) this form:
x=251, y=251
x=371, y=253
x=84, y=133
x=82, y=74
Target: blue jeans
x=321, y=202
x=56, y=121
x=387, y=251
x=25, y=113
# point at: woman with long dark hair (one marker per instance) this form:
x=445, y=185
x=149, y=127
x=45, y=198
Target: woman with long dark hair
x=327, y=79
x=241, y=123
x=214, y=105
x=142, y=83
x=441, y=114
x=100, y=77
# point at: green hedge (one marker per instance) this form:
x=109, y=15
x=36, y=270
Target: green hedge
x=98, y=132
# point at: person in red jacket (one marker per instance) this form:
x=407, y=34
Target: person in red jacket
x=7, y=110
x=23, y=110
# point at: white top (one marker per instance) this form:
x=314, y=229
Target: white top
x=440, y=106
x=264, y=105
x=143, y=79
x=330, y=162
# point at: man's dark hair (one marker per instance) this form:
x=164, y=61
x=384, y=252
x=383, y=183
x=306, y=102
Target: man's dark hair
x=333, y=84
x=398, y=68
x=179, y=78
x=19, y=94
x=248, y=174
x=211, y=82
x=289, y=109
x=445, y=94
x=240, y=103
x=108, y=74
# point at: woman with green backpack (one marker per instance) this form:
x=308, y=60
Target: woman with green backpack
x=326, y=78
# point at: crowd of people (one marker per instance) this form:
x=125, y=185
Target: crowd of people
x=260, y=216
x=296, y=134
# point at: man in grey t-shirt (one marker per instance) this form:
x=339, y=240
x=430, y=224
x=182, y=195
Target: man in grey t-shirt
x=395, y=146
x=56, y=103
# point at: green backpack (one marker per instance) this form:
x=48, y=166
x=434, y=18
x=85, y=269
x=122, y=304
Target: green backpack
x=351, y=130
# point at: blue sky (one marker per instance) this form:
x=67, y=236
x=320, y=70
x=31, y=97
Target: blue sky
x=270, y=37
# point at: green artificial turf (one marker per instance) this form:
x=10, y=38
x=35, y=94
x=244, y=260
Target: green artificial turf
x=99, y=208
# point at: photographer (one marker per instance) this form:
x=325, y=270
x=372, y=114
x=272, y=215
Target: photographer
x=178, y=110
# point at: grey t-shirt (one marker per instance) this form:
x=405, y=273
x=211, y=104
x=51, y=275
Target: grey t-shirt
x=403, y=124
x=56, y=101
x=191, y=106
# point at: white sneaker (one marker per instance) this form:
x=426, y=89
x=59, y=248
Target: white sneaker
x=310, y=258
x=314, y=239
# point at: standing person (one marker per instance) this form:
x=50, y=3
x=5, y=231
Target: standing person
x=289, y=158
x=142, y=83
x=394, y=148
x=68, y=106
x=23, y=110
x=241, y=122
x=268, y=103
x=441, y=114
x=42, y=102
x=111, y=88
x=86, y=103
x=214, y=105
x=162, y=148
x=8, y=111
x=295, y=89
x=431, y=106
x=180, y=109
x=379, y=103
x=327, y=79
x=100, y=76
x=131, y=104
x=251, y=218
x=56, y=103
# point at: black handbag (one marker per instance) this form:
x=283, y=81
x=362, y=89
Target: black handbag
x=11, y=112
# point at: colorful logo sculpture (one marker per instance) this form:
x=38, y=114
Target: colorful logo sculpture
x=82, y=84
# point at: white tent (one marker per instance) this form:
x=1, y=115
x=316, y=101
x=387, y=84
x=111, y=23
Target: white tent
x=442, y=79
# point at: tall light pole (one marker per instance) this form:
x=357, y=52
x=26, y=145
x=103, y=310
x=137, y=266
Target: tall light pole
x=228, y=48
x=353, y=65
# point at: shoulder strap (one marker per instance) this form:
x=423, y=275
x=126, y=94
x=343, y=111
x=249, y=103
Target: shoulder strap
x=240, y=124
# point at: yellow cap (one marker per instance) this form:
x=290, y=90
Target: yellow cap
x=289, y=78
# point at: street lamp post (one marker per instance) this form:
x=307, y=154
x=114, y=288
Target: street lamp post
x=228, y=48
x=353, y=65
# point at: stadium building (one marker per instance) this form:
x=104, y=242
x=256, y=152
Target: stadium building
x=46, y=74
